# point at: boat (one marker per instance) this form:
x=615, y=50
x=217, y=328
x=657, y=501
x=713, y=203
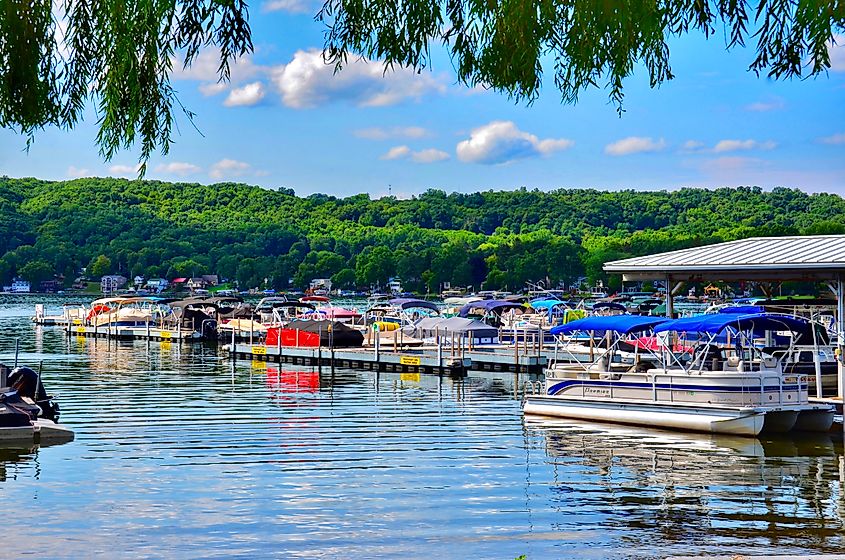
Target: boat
x=735, y=388
x=306, y=333
x=27, y=412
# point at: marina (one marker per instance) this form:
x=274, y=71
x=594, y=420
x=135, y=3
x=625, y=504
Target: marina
x=224, y=458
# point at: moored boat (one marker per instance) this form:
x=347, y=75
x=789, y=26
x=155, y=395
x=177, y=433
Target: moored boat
x=739, y=390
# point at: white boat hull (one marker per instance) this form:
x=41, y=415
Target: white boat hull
x=736, y=421
x=40, y=431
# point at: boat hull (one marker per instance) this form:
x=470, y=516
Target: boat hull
x=736, y=421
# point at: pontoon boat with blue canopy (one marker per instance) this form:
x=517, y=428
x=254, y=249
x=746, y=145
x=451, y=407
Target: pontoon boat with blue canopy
x=739, y=390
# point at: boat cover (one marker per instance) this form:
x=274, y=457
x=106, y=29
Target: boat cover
x=432, y=326
x=489, y=306
x=624, y=324
x=717, y=322
x=308, y=333
x=410, y=303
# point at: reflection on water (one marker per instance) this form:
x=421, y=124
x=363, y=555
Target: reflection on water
x=183, y=453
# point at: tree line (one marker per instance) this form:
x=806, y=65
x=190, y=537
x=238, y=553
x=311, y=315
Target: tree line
x=272, y=238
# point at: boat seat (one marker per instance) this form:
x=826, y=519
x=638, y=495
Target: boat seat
x=734, y=363
x=770, y=362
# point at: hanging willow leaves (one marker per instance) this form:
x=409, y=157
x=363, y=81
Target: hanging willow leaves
x=58, y=57
x=505, y=44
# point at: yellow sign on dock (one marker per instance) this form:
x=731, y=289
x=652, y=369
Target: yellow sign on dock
x=415, y=377
x=259, y=350
x=166, y=334
x=409, y=361
x=80, y=329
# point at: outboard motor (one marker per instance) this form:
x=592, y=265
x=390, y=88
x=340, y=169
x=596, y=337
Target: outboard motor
x=209, y=329
x=28, y=384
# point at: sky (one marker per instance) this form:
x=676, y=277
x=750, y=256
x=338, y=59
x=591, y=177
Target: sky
x=287, y=120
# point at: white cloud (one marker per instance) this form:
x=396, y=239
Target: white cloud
x=210, y=89
x=837, y=53
x=773, y=104
x=125, y=169
x=204, y=69
x=430, y=155
x=692, y=146
x=290, y=6
x=502, y=142
x=245, y=96
x=228, y=168
x=737, y=145
x=77, y=172
x=634, y=145
x=397, y=152
x=833, y=139
x=307, y=82
x=180, y=168
x=377, y=133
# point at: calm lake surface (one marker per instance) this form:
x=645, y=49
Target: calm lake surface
x=181, y=453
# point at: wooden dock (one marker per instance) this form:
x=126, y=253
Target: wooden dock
x=132, y=333
x=404, y=361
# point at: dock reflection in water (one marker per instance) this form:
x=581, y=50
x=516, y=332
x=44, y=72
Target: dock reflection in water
x=182, y=453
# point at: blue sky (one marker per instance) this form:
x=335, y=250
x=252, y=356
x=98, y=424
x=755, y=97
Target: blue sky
x=286, y=121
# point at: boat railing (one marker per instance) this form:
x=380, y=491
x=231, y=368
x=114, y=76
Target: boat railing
x=758, y=387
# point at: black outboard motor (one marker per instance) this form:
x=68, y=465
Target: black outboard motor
x=28, y=384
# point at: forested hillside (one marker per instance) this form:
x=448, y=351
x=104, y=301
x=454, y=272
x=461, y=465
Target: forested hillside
x=500, y=238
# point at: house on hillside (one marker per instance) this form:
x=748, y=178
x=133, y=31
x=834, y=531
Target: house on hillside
x=196, y=283
x=156, y=285
x=111, y=283
x=50, y=286
x=20, y=286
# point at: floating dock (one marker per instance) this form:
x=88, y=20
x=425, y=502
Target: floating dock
x=132, y=333
x=426, y=359
x=405, y=361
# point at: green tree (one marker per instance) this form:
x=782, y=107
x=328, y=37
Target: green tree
x=36, y=271
x=116, y=54
x=99, y=267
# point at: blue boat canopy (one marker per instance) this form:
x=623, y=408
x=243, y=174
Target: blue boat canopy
x=545, y=304
x=488, y=306
x=412, y=303
x=624, y=324
x=717, y=322
x=742, y=309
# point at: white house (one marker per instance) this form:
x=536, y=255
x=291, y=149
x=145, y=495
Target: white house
x=111, y=283
x=20, y=286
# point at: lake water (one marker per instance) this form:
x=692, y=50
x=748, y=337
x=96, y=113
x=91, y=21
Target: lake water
x=181, y=453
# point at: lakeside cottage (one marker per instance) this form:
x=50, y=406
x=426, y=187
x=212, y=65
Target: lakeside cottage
x=110, y=283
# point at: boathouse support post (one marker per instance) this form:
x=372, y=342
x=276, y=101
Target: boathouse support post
x=439, y=348
x=670, y=311
x=233, y=345
x=840, y=338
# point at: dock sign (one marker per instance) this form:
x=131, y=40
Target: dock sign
x=409, y=360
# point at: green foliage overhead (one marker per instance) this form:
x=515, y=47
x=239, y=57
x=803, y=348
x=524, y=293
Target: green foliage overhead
x=264, y=238
x=507, y=45
x=57, y=57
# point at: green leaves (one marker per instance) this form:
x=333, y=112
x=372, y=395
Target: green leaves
x=116, y=54
x=507, y=44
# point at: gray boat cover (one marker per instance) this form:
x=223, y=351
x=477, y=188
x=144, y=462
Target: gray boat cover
x=429, y=327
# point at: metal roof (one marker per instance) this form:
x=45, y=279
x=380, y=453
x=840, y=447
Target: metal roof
x=816, y=257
